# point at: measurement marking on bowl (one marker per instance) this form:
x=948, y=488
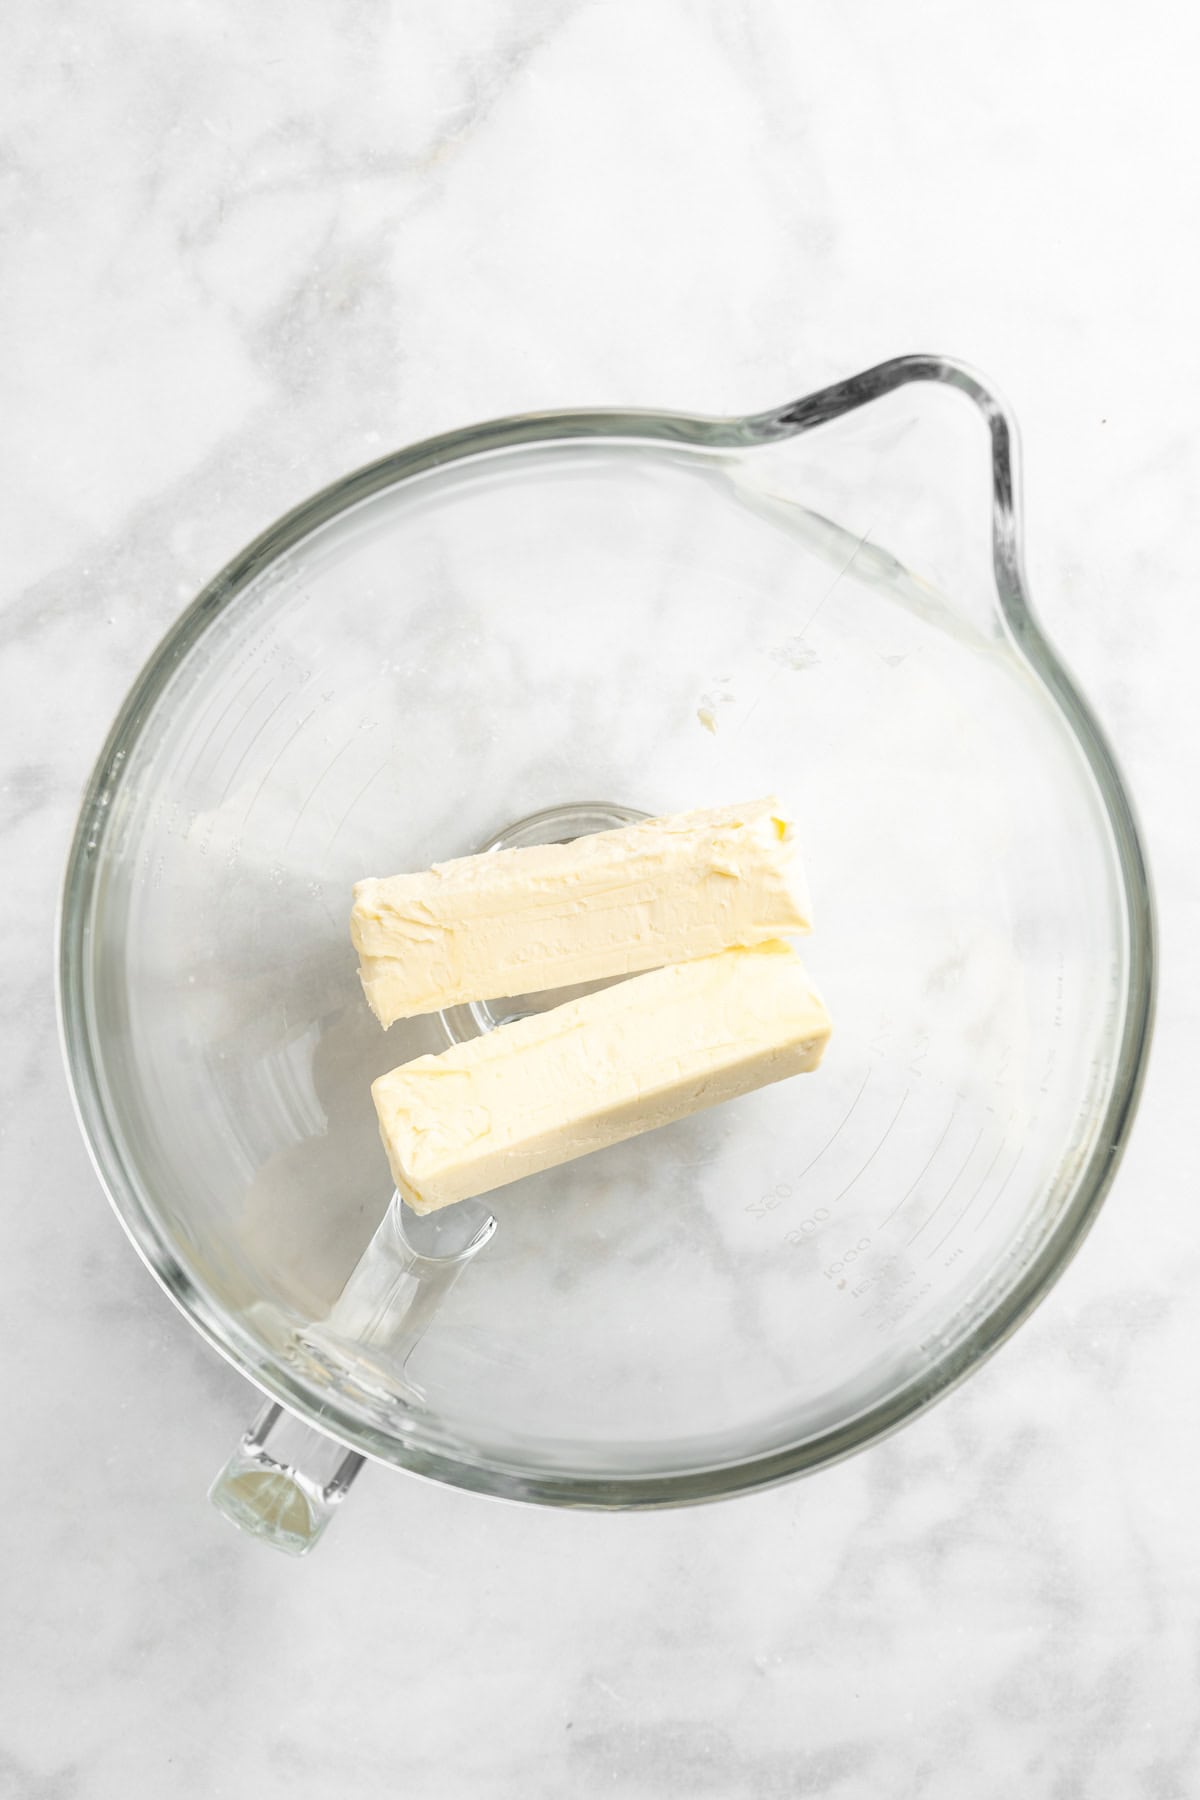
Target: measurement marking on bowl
x=274, y=764
x=227, y=708
x=846, y=566
x=983, y=1218
x=925, y=1167
x=330, y=767
x=958, y=1175
x=837, y=1129
x=237, y=768
x=767, y=1204
x=798, y=637
x=875, y=1152
x=370, y=783
x=975, y=1193
x=334, y=760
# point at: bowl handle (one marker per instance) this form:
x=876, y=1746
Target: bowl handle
x=284, y=1481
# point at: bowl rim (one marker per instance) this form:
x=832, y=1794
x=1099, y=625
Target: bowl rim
x=570, y=1487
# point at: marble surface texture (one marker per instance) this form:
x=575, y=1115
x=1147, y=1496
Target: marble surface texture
x=248, y=247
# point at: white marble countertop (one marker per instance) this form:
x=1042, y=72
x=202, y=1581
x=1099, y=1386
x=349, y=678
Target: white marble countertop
x=248, y=248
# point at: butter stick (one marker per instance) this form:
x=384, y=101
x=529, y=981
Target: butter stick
x=615, y=902
x=555, y=1085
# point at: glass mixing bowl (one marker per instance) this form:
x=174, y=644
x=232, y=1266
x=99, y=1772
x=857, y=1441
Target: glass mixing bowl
x=539, y=626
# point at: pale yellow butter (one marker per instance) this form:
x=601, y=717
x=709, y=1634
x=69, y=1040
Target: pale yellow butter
x=518, y=921
x=555, y=1085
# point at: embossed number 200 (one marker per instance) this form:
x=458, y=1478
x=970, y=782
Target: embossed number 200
x=806, y=1227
